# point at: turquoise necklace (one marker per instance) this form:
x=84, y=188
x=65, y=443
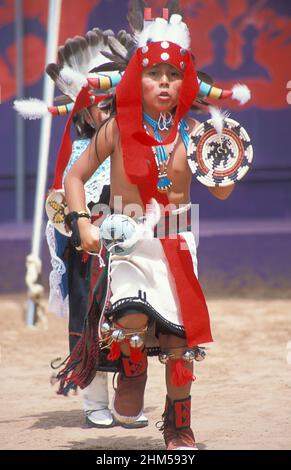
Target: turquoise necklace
x=161, y=156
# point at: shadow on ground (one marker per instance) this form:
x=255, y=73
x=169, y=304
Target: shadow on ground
x=54, y=419
x=117, y=443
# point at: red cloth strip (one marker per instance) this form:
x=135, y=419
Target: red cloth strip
x=83, y=101
x=191, y=298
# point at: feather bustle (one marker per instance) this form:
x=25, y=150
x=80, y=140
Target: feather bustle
x=174, y=7
x=135, y=15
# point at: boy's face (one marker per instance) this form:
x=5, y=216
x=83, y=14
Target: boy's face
x=161, y=85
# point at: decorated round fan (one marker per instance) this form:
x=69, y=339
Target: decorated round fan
x=57, y=209
x=219, y=160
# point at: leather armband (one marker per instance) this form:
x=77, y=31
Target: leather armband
x=71, y=220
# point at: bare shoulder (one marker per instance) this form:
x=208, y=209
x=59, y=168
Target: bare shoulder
x=109, y=129
x=106, y=138
x=113, y=125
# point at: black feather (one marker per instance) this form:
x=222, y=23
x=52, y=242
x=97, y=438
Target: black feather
x=93, y=39
x=73, y=50
x=98, y=33
x=53, y=70
x=108, y=67
x=62, y=99
x=61, y=56
x=205, y=77
x=117, y=48
x=120, y=62
x=125, y=39
x=135, y=14
x=107, y=34
x=174, y=7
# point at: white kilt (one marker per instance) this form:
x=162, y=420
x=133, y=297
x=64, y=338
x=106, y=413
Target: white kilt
x=142, y=281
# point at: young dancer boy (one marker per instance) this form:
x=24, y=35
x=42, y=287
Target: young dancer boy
x=156, y=283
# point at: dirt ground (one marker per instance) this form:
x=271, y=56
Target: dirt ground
x=241, y=399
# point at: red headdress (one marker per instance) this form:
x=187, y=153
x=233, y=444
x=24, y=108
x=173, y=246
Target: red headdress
x=160, y=42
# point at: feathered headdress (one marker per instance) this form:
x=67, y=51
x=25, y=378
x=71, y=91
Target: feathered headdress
x=91, y=65
x=80, y=86
x=74, y=70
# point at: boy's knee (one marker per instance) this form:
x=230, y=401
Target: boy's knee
x=133, y=319
x=172, y=341
x=127, y=335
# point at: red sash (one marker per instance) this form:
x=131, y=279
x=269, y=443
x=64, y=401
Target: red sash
x=191, y=298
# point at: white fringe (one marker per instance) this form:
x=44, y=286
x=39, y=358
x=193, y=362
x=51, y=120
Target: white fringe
x=32, y=108
x=57, y=303
x=175, y=31
x=241, y=93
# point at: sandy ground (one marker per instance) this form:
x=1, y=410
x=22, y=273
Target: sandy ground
x=241, y=399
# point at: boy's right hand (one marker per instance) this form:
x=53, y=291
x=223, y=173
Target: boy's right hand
x=89, y=235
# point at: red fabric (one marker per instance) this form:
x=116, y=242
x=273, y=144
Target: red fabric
x=134, y=139
x=114, y=352
x=179, y=374
x=134, y=369
x=140, y=167
x=189, y=89
x=182, y=413
x=135, y=354
x=84, y=99
x=85, y=257
x=192, y=302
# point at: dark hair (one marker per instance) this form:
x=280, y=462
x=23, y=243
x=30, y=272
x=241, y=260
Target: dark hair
x=83, y=129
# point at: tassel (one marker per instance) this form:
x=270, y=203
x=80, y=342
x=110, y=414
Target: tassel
x=114, y=353
x=135, y=354
x=85, y=258
x=180, y=375
x=31, y=108
x=241, y=93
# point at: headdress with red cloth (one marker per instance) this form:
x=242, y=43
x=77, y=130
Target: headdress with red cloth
x=160, y=42
x=168, y=42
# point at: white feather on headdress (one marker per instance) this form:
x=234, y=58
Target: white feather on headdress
x=79, y=56
x=175, y=31
x=32, y=108
x=241, y=93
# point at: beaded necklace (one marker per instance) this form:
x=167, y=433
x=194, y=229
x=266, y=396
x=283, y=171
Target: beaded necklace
x=161, y=156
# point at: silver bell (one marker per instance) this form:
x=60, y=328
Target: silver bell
x=105, y=328
x=118, y=336
x=200, y=354
x=163, y=357
x=136, y=341
x=188, y=355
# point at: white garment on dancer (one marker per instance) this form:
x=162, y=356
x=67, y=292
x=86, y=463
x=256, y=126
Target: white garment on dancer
x=95, y=401
x=58, y=293
x=143, y=280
